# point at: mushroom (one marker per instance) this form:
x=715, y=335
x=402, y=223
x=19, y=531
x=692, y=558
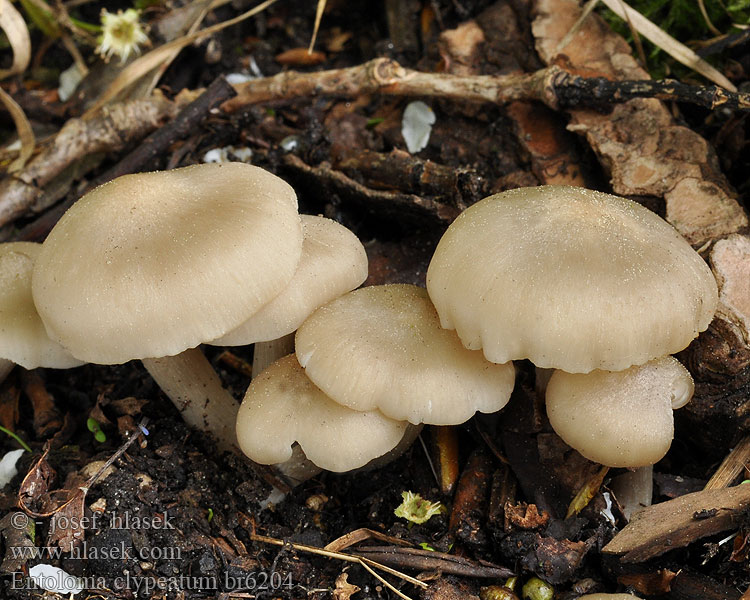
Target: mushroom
x=23, y=339
x=333, y=262
x=149, y=266
x=282, y=406
x=382, y=347
x=571, y=279
x=619, y=418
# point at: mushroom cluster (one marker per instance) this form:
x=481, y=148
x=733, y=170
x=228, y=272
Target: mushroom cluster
x=592, y=285
x=149, y=266
x=376, y=365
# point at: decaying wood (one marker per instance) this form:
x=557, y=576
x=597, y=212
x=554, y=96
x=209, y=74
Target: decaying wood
x=730, y=261
x=116, y=127
x=679, y=522
x=645, y=152
x=337, y=183
x=400, y=170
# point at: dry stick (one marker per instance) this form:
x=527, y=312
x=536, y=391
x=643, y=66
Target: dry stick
x=553, y=86
x=147, y=151
x=731, y=467
x=365, y=562
x=112, y=130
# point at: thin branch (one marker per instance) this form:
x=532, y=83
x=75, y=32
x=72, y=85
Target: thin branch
x=552, y=86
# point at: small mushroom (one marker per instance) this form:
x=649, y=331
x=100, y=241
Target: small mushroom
x=149, y=266
x=23, y=339
x=282, y=406
x=333, y=262
x=382, y=347
x=619, y=418
x=571, y=279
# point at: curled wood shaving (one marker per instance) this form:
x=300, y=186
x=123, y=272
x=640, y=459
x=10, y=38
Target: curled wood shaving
x=15, y=29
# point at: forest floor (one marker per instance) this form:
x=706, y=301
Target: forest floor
x=172, y=517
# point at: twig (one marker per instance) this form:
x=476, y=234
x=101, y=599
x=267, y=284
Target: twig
x=115, y=127
x=552, y=85
x=732, y=466
x=338, y=555
x=153, y=146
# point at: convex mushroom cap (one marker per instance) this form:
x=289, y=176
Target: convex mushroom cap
x=23, y=338
x=151, y=264
x=619, y=418
x=283, y=406
x=571, y=279
x=333, y=262
x=382, y=347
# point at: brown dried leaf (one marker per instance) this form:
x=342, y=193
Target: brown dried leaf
x=35, y=487
x=640, y=145
x=300, y=57
x=130, y=406
x=344, y=590
x=67, y=525
x=524, y=516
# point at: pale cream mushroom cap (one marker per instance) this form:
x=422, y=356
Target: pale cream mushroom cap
x=23, y=339
x=619, y=418
x=151, y=264
x=283, y=406
x=333, y=262
x=383, y=347
x=571, y=279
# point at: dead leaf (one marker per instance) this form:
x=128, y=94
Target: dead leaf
x=300, y=57
x=524, y=516
x=35, y=487
x=344, y=590
x=130, y=406
x=645, y=152
x=67, y=525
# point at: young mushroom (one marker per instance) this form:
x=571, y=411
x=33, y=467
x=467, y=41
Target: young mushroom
x=619, y=418
x=333, y=262
x=149, y=266
x=23, y=339
x=382, y=347
x=282, y=406
x=575, y=280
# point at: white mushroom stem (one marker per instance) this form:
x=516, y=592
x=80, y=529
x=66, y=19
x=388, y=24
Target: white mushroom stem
x=298, y=468
x=6, y=366
x=634, y=489
x=265, y=353
x=196, y=390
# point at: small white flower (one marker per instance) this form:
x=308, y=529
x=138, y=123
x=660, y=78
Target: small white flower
x=122, y=34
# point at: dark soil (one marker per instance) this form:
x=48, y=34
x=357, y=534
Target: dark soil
x=175, y=517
